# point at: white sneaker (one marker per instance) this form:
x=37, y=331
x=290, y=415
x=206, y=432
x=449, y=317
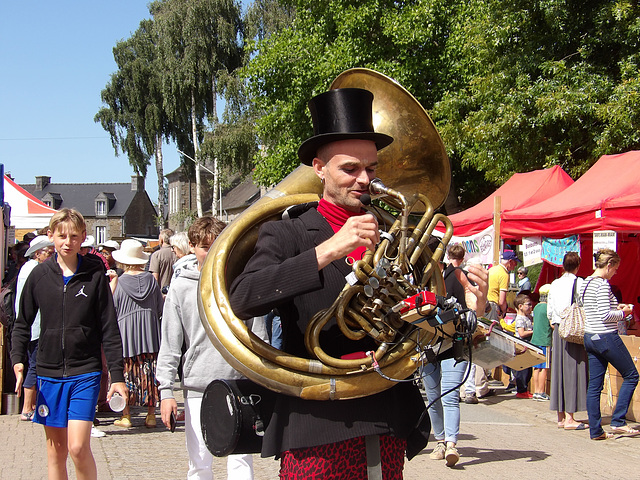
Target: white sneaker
x=438, y=451
x=451, y=456
x=95, y=433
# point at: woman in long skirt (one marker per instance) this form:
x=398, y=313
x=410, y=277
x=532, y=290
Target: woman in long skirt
x=569, y=371
x=138, y=301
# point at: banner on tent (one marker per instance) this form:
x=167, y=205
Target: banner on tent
x=479, y=247
x=604, y=239
x=531, y=251
x=554, y=249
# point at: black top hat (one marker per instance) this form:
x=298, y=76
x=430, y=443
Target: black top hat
x=341, y=114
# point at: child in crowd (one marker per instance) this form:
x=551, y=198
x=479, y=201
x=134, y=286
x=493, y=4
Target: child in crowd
x=542, y=334
x=76, y=316
x=524, y=330
x=203, y=363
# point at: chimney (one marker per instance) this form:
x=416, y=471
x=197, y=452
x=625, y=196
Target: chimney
x=42, y=182
x=137, y=183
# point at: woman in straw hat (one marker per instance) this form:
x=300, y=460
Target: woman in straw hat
x=138, y=303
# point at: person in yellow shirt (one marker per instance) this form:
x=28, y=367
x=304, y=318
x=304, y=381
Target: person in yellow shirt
x=499, y=284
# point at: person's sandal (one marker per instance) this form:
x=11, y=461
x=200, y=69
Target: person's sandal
x=604, y=436
x=150, y=421
x=625, y=431
x=26, y=417
x=124, y=422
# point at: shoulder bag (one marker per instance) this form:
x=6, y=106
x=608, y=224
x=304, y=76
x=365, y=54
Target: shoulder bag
x=572, y=318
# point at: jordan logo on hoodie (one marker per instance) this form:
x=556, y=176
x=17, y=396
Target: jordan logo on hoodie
x=81, y=292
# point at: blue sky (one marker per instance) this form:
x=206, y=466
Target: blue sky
x=56, y=57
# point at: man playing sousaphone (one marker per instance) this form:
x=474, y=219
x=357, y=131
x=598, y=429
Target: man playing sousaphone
x=299, y=268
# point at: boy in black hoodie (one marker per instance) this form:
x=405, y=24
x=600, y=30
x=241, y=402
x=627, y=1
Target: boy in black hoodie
x=77, y=317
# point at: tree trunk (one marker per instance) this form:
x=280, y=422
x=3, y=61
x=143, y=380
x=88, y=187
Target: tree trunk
x=196, y=149
x=216, y=173
x=160, y=172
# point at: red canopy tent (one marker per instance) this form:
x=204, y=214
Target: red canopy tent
x=606, y=197
x=521, y=190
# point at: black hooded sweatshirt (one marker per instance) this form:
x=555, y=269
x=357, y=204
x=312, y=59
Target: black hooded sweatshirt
x=76, y=319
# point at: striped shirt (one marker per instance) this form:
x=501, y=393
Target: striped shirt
x=600, y=306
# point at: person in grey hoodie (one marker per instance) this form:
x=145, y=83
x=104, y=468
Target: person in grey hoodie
x=202, y=362
x=138, y=303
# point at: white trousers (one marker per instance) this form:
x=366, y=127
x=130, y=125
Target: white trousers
x=239, y=467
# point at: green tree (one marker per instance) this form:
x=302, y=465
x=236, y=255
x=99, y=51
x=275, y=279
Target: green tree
x=512, y=86
x=133, y=113
x=200, y=41
x=543, y=83
x=403, y=40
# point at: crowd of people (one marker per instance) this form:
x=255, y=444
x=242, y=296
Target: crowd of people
x=87, y=314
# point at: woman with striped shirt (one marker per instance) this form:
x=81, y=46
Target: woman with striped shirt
x=604, y=345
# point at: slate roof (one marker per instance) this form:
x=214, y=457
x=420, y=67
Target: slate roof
x=242, y=195
x=81, y=196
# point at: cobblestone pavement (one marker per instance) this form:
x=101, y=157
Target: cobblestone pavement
x=501, y=437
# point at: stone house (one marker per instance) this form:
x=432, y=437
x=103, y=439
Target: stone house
x=111, y=210
x=241, y=193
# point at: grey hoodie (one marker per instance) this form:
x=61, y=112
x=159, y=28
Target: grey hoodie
x=181, y=321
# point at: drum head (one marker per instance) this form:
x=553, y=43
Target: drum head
x=230, y=413
x=220, y=418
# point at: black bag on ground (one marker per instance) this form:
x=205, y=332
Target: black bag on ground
x=235, y=415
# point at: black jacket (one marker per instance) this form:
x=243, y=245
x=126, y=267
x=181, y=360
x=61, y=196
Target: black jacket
x=76, y=319
x=283, y=274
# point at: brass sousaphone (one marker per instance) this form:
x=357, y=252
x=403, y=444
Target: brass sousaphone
x=415, y=164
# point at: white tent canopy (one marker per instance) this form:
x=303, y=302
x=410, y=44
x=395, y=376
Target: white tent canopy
x=27, y=212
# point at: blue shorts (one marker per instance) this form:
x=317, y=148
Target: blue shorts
x=546, y=362
x=32, y=355
x=69, y=398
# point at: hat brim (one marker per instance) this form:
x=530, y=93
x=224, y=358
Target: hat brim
x=308, y=149
x=125, y=259
x=39, y=246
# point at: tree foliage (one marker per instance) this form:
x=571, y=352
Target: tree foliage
x=545, y=83
x=512, y=86
x=134, y=112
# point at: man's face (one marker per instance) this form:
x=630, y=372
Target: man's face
x=347, y=167
x=66, y=240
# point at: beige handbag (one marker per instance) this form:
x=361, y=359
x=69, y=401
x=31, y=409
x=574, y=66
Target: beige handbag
x=572, y=318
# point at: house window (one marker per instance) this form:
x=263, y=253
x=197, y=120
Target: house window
x=47, y=203
x=101, y=207
x=101, y=235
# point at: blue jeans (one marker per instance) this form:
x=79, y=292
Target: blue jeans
x=444, y=413
x=602, y=350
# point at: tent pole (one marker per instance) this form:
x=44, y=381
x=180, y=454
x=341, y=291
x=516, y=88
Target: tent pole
x=497, y=205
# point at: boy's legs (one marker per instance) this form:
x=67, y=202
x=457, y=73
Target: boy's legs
x=56, y=452
x=239, y=467
x=200, y=459
x=79, y=446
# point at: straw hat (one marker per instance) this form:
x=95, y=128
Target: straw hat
x=130, y=253
x=38, y=243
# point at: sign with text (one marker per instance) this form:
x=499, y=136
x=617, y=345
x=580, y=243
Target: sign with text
x=604, y=239
x=479, y=247
x=531, y=250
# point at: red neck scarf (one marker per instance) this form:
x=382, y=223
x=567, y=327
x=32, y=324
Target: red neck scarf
x=337, y=216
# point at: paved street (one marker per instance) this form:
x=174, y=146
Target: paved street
x=502, y=437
